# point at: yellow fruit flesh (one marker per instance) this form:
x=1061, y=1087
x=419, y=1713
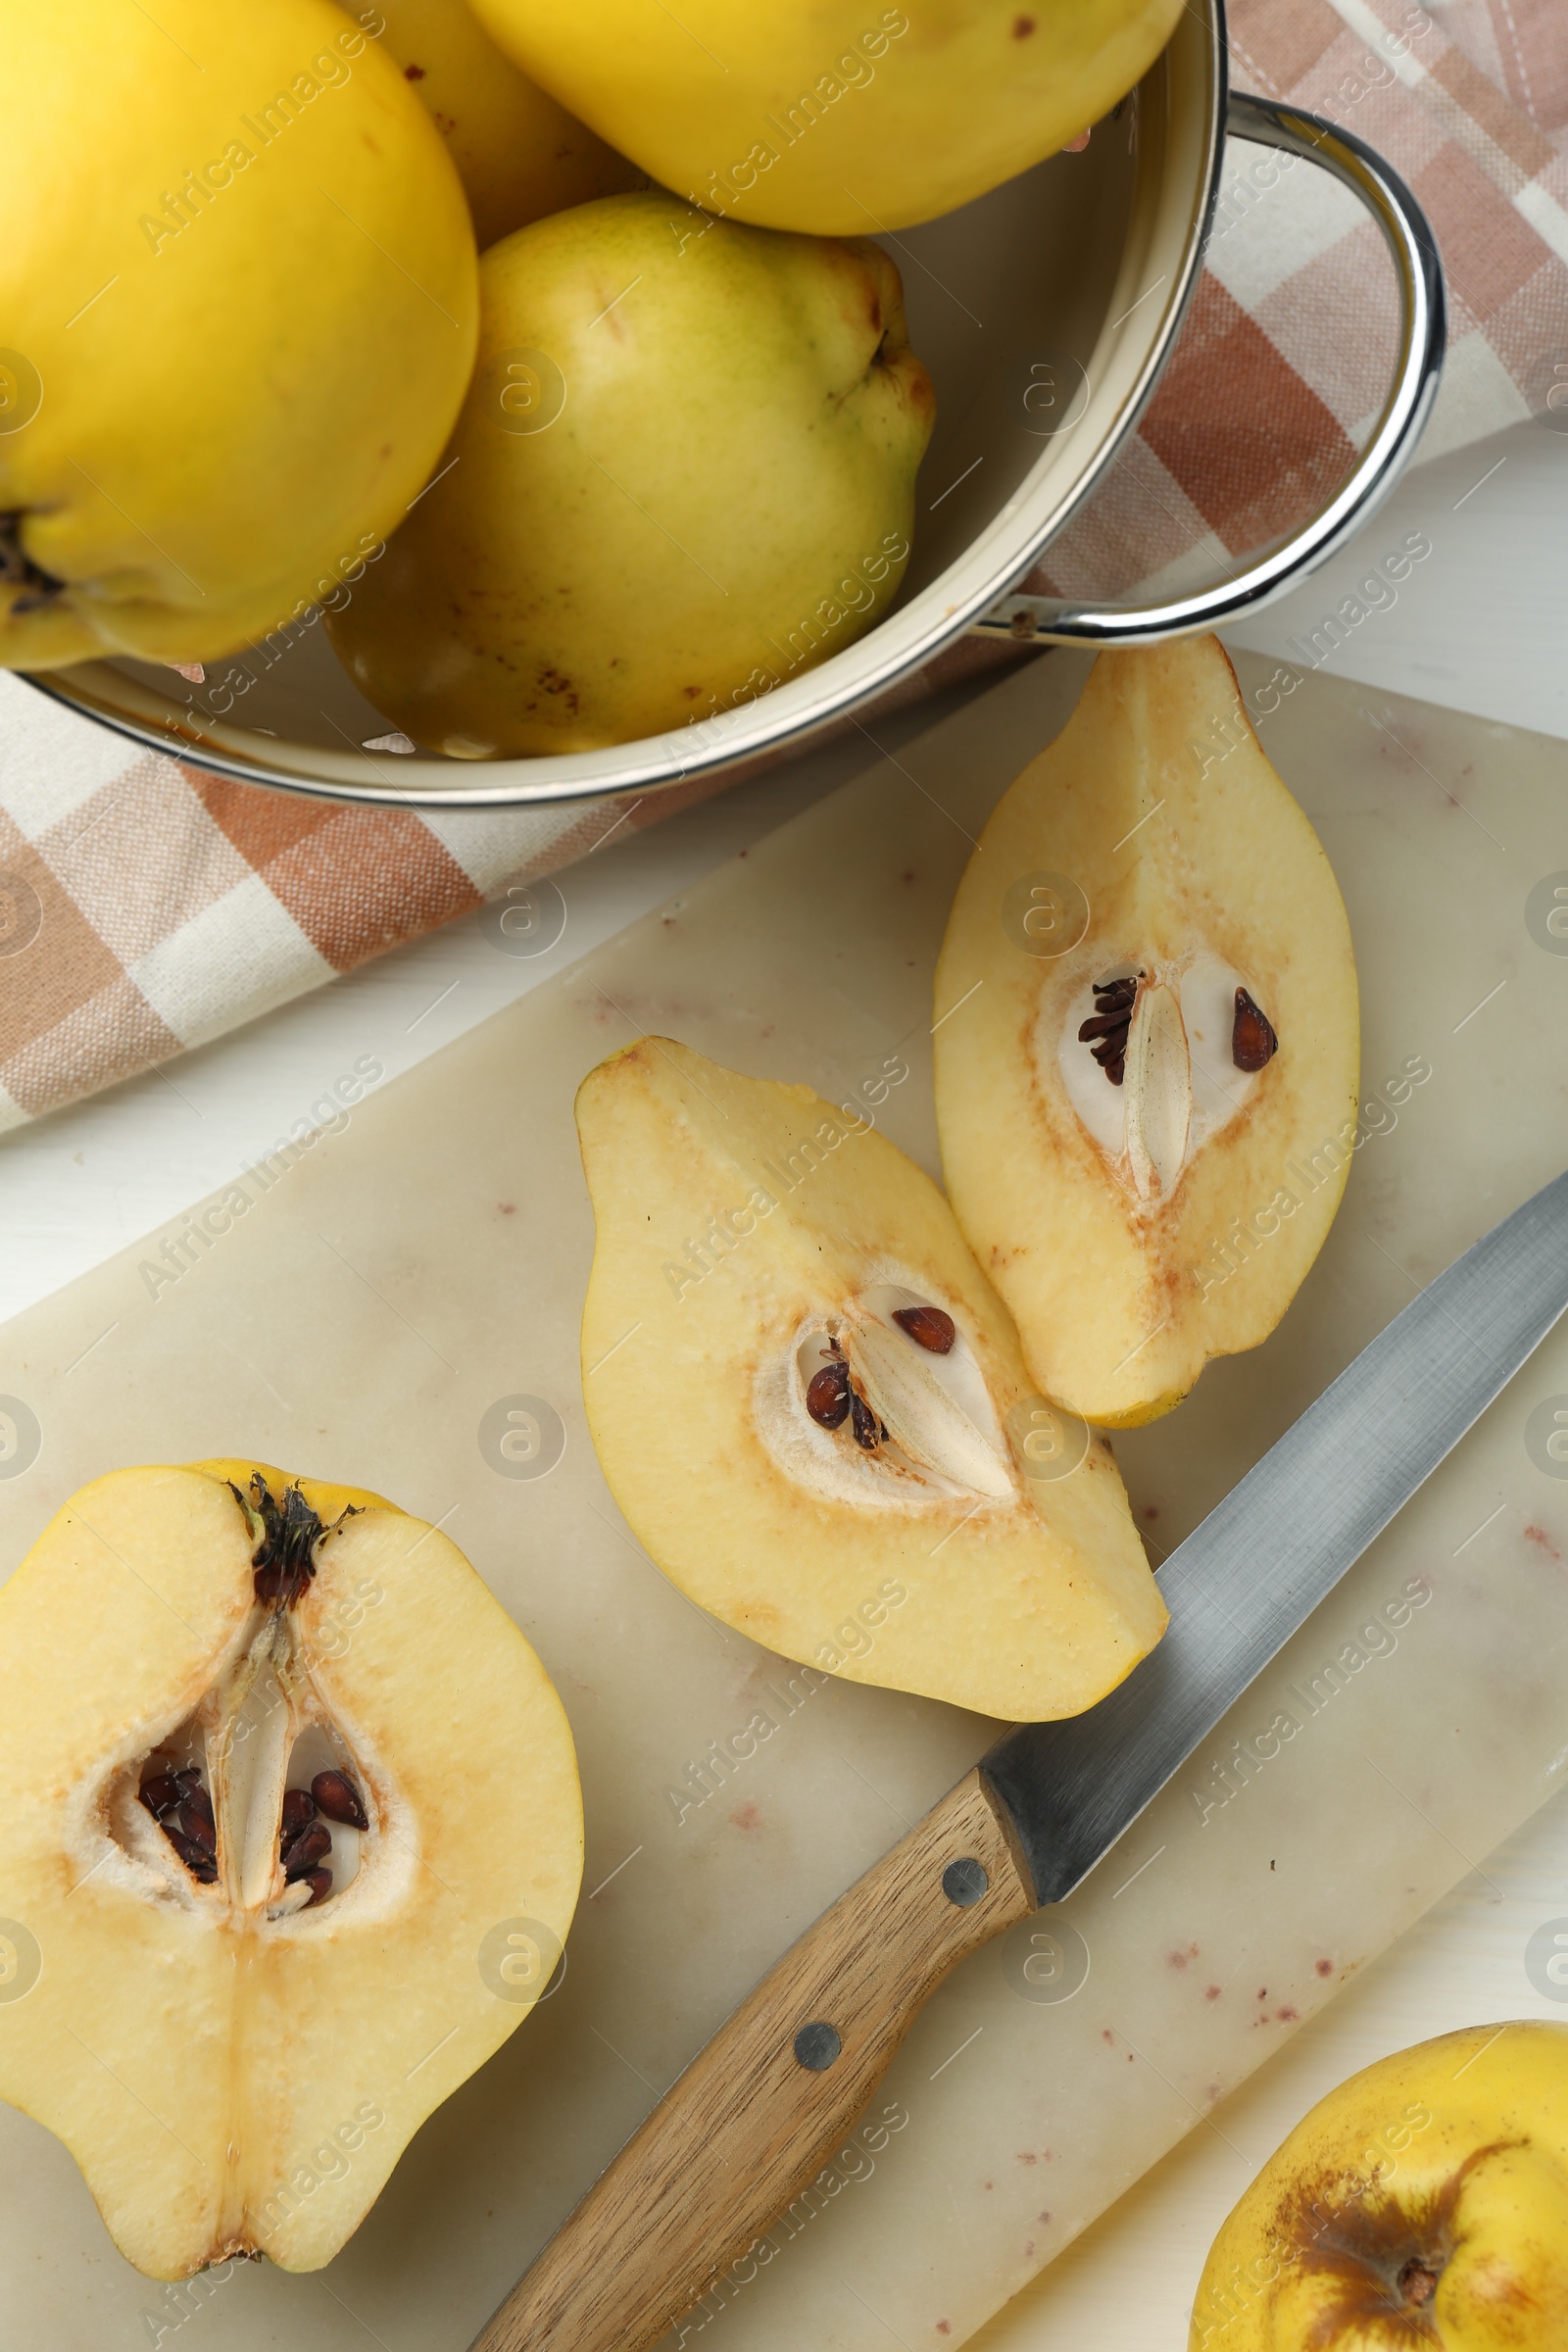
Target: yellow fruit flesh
x=842, y=120
x=683, y=474
x=248, y=324
x=1425, y=2201
x=1156, y=802
x=519, y=154
x=232, y=2081
x=1030, y=1606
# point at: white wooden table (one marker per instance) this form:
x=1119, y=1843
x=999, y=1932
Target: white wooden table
x=1482, y=625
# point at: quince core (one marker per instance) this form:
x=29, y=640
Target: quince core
x=811, y=1407
x=1147, y=1039
x=1422, y=2203
x=290, y=1838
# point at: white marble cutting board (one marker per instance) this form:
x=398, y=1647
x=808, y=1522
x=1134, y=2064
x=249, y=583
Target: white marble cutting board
x=424, y=1264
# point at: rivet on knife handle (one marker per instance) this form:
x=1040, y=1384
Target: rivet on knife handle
x=757, y=2113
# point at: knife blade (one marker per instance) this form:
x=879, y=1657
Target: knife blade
x=757, y=2112
x=1252, y=1572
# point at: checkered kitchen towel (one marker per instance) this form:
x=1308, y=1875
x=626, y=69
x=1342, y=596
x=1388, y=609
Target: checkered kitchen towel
x=146, y=907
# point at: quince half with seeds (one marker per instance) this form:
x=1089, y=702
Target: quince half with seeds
x=1147, y=1039
x=1422, y=2203
x=290, y=1837
x=812, y=1409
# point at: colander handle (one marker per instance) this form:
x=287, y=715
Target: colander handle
x=1423, y=321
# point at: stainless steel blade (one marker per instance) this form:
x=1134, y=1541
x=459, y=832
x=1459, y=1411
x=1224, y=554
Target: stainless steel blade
x=1256, y=1569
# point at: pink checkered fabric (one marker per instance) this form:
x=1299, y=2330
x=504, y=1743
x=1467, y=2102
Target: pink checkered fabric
x=146, y=907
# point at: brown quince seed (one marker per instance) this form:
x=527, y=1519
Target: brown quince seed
x=320, y=1882
x=930, y=1326
x=827, y=1397
x=160, y=1792
x=1253, y=1043
x=307, y=1849
x=201, y=1864
x=299, y=1807
x=337, y=1797
x=196, y=1823
x=195, y=1805
x=868, y=1430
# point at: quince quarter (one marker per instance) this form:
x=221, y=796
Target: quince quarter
x=290, y=1837
x=812, y=1409
x=1148, y=1043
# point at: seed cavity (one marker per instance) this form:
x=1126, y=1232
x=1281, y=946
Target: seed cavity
x=894, y=1383
x=225, y=1787
x=1254, y=1044
x=1089, y=1032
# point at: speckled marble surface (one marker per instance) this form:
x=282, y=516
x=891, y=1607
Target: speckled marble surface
x=435, y=1247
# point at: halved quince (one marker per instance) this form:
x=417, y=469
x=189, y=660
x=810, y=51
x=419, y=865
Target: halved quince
x=291, y=1835
x=1146, y=1072
x=812, y=1409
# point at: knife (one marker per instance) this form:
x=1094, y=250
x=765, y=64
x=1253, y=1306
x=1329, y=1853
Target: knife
x=758, y=2111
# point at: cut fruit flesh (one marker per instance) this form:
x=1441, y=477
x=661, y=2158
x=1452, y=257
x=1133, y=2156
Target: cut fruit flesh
x=1146, y=1136
x=751, y=1241
x=237, y=2065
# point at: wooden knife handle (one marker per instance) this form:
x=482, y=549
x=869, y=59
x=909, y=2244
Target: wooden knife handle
x=757, y=2113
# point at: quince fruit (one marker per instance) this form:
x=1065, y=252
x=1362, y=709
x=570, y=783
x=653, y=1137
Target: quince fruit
x=680, y=477
x=1425, y=2202
x=519, y=154
x=812, y=1409
x=239, y=285
x=835, y=118
x=291, y=1835
x=1145, y=1079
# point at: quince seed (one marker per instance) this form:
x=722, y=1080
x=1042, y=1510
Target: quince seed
x=827, y=1397
x=299, y=1808
x=337, y=1797
x=1254, y=1044
x=930, y=1326
x=307, y=1851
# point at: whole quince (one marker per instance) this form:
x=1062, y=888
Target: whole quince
x=238, y=292
x=844, y=116
x=1425, y=2202
x=683, y=474
x=519, y=154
